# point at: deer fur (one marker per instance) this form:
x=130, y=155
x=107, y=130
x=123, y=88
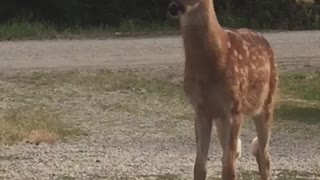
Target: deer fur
x=229, y=75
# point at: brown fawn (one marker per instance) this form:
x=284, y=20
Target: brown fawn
x=229, y=75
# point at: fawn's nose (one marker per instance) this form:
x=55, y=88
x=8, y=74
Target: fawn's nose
x=175, y=9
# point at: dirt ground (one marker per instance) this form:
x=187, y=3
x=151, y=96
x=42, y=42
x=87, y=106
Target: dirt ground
x=144, y=145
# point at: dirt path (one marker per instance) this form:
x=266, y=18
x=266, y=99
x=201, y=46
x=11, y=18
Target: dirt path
x=293, y=50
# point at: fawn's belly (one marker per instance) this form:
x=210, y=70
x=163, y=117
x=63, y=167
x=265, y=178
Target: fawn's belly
x=219, y=100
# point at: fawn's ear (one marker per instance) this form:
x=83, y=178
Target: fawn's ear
x=190, y=8
x=176, y=9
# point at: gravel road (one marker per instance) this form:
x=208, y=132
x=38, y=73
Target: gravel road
x=293, y=49
x=125, y=151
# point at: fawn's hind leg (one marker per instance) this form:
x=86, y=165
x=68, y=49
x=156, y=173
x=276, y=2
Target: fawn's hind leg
x=263, y=123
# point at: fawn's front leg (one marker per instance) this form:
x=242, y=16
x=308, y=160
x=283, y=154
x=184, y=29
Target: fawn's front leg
x=228, y=131
x=203, y=127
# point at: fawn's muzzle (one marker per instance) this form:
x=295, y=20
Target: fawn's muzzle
x=175, y=9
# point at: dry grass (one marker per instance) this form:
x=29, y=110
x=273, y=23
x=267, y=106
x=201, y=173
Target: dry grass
x=143, y=94
x=41, y=135
x=31, y=110
x=36, y=106
x=32, y=124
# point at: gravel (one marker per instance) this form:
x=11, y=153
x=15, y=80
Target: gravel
x=116, y=146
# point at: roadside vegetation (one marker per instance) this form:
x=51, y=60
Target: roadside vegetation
x=23, y=29
x=79, y=19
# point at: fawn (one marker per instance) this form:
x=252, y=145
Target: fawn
x=229, y=75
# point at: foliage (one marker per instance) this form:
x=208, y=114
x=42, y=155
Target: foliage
x=270, y=14
x=84, y=12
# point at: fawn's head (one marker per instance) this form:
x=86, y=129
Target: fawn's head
x=178, y=8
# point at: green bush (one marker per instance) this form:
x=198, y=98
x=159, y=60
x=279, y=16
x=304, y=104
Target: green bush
x=260, y=14
x=269, y=14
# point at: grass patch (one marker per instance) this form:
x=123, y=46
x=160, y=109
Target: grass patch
x=298, y=112
x=20, y=29
x=300, y=97
x=101, y=81
x=136, y=93
x=32, y=124
x=301, y=86
x=130, y=25
x=145, y=95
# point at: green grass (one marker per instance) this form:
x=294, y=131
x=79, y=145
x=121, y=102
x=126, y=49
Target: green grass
x=300, y=97
x=298, y=112
x=19, y=29
x=130, y=25
x=302, y=86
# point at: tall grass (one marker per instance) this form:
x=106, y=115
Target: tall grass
x=21, y=28
x=131, y=25
x=17, y=29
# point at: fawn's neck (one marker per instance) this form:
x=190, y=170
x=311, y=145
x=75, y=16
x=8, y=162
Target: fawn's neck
x=202, y=34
